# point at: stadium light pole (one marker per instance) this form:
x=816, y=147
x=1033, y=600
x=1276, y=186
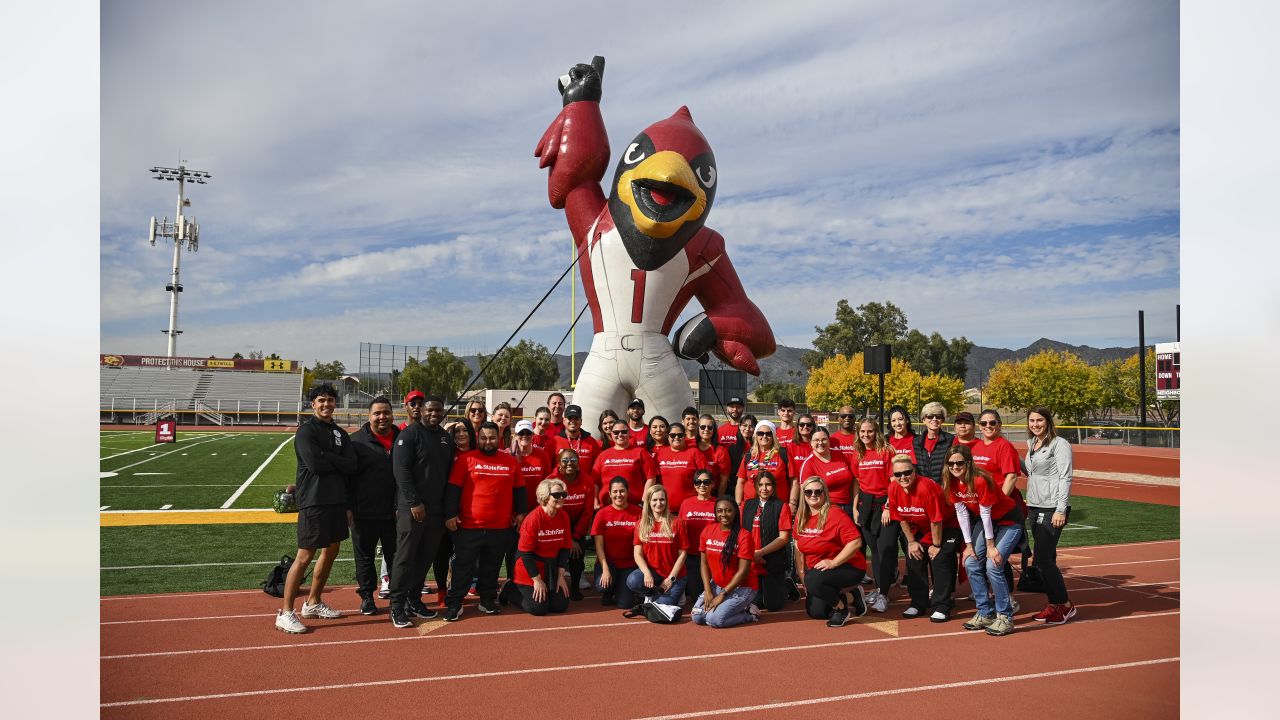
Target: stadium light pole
x=184, y=231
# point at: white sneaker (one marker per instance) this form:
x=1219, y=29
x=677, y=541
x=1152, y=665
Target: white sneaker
x=320, y=610
x=289, y=622
x=584, y=583
x=384, y=590
x=911, y=612
x=880, y=604
x=1014, y=607
x=755, y=612
x=872, y=595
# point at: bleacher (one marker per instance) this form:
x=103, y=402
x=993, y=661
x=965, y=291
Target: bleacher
x=219, y=397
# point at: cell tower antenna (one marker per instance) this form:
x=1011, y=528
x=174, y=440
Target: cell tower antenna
x=183, y=231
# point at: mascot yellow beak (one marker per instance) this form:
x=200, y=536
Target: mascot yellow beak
x=662, y=193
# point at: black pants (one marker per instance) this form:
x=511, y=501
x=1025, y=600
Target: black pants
x=522, y=597
x=577, y=565
x=693, y=585
x=943, y=570
x=416, y=545
x=1046, y=552
x=773, y=591
x=444, y=557
x=881, y=540
x=477, y=553
x=824, y=587
x=365, y=535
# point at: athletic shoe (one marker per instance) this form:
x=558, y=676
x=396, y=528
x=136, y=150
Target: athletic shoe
x=575, y=594
x=453, y=614
x=1014, y=606
x=1045, y=613
x=755, y=612
x=440, y=599
x=367, y=607
x=911, y=612
x=608, y=598
x=289, y=622
x=880, y=604
x=1061, y=614
x=872, y=595
x=939, y=617
x=417, y=609
x=490, y=609
x=320, y=610
x=980, y=622
x=584, y=583
x=1002, y=625
x=384, y=591
x=400, y=618
x=838, y=618
x=859, y=602
x=866, y=580
x=471, y=592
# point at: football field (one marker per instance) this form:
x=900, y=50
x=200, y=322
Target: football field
x=202, y=470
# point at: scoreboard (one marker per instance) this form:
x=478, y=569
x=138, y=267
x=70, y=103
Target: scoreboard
x=1168, y=371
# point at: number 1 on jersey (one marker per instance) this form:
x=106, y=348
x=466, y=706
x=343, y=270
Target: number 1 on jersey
x=637, y=296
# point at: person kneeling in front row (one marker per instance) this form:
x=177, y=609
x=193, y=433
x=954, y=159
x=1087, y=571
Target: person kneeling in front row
x=542, y=555
x=729, y=585
x=828, y=556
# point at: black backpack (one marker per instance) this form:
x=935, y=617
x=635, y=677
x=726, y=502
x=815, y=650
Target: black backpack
x=274, y=584
x=1031, y=580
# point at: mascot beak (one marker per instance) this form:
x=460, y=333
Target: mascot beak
x=662, y=193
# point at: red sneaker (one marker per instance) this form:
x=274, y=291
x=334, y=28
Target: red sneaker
x=1062, y=613
x=1045, y=613
x=440, y=598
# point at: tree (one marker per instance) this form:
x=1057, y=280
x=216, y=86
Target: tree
x=1162, y=411
x=1112, y=389
x=439, y=373
x=773, y=392
x=237, y=356
x=323, y=371
x=841, y=381
x=876, y=323
x=523, y=366
x=934, y=354
x=276, y=356
x=1060, y=381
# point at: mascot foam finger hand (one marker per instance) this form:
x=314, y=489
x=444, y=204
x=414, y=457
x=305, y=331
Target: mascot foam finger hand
x=645, y=253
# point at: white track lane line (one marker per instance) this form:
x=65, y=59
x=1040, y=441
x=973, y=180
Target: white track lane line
x=593, y=666
x=1130, y=562
x=916, y=689
x=254, y=476
x=214, y=564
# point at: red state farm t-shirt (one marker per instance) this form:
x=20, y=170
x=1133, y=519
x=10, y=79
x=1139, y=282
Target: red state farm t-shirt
x=545, y=537
x=552, y=429
x=827, y=543
x=638, y=437
x=846, y=444
x=727, y=435
x=712, y=546
x=697, y=515
x=904, y=445
x=617, y=527
x=837, y=473
x=921, y=507
x=717, y=458
x=999, y=458
x=784, y=525
x=534, y=468
x=487, y=482
x=635, y=464
x=784, y=436
x=580, y=501
x=587, y=447
x=797, y=453
x=676, y=470
x=873, y=470
x=985, y=493
x=754, y=463
x=662, y=548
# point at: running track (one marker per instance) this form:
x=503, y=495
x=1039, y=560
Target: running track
x=216, y=655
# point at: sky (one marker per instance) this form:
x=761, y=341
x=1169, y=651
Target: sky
x=1001, y=171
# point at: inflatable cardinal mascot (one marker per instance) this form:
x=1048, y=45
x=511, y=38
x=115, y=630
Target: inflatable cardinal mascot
x=644, y=252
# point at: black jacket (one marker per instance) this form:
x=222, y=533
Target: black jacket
x=371, y=491
x=325, y=457
x=776, y=562
x=421, y=460
x=931, y=465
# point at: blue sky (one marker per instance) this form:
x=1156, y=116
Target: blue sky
x=1006, y=171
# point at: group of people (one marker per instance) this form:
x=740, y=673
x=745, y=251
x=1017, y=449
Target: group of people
x=735, y=518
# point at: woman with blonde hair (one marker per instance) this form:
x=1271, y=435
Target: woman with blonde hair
x=764, y=455
x=828, y=558
x=660, y=549
x=874, y=457
x=543, y=551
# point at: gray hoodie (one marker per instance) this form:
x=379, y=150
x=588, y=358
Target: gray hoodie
x=1049, y=475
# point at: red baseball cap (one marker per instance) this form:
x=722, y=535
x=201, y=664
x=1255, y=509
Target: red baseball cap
x=414, y=395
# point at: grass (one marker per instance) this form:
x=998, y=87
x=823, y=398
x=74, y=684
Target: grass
x=1117, y=521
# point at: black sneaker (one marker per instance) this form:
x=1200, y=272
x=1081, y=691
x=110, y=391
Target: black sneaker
x=453, y=614
x=838, y=618
x=608, y=599
x=859, y=602
x=400, y=618
x=417, y=609
x=367, y=607
x=491, y=608
x=575, y=594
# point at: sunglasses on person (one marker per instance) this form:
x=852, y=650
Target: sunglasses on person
x=764, y=434
x=988, y=423
x=475, y=411
x=568, y=461
x=620, y=432
x=417, y=402
x=957, y=463
x=706, y=427
x=814, y=492
x=847, y=416
x=935, y=417
x=559, y=495
x=704, y=481
x=904, y=473
x=804, y=425
x=675, y=435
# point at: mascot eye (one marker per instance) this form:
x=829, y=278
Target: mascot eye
x=706, y=176
x=634, y=154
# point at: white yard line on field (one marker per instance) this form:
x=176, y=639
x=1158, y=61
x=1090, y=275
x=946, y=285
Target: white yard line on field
x=185, y=447
x=236, y=495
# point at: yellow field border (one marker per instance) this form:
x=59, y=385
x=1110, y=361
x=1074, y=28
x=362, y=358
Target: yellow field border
x=130, y=518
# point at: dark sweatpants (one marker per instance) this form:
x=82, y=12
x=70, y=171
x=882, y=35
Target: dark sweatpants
x=880, y=540
x=416, y=545
x=824, y=588
x=365, y=535
x=1046, y=552
x=773, y=591
x=943, y=570
x=522, y=597
x=477, y=553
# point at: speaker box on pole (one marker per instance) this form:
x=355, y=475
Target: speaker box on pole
x=876, y=359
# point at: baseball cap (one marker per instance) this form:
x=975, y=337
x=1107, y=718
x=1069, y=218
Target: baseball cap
x=966, y=417
x=636, y=403
x=415, y=395
x=523, y=425
x=573, y=411
x=735, y=401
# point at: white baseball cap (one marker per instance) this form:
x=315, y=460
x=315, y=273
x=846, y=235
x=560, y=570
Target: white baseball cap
x=523, y=425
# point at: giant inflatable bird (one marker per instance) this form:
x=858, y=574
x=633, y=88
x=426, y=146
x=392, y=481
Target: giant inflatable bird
x=644, y=252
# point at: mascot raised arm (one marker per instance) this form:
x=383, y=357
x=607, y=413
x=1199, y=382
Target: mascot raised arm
x=644, y=252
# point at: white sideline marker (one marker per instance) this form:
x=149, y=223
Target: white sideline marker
x=165, y=507
x=254, y=476
x=104, y=507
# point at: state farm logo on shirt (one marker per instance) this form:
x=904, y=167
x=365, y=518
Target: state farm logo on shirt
x=615, y=460
x=910, y=509
x=677, y=463
x=482, y=466
x=576, y=497
x=832, y=471
x=715, y=544
x=700, y=515
x=620, y=523
x=809, y=532
x=873, y=464
x=981, y=459
x=550, y=532
x=660, y=539
x=968, y=494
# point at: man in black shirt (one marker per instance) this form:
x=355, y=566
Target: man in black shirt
x=371, y=496
x=325, y=459
x=421, y=460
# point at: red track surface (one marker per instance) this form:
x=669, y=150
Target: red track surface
x=216, y=655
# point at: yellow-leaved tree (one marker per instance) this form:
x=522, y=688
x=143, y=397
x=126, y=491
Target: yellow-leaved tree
x=841, y=381
x=1059, y=380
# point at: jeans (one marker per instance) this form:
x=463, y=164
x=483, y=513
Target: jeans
x=618, y=588
x=983, y=573
x=673, y=596
x=1046, y=552
x=732, y=611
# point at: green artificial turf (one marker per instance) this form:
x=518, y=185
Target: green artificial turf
x=1099, y=521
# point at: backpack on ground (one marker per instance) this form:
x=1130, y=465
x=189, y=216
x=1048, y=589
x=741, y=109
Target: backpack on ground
x=274, y=584
x=660, y=613
x=1031, y=580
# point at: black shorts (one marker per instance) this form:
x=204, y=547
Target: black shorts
x=320, y=526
